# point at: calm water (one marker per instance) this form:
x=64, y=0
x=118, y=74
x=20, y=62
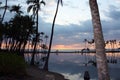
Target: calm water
x=72, y=66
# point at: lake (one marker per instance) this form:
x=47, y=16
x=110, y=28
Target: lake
x=73, y=65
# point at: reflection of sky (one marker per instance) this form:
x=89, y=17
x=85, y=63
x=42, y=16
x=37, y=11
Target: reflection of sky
x=71, y=66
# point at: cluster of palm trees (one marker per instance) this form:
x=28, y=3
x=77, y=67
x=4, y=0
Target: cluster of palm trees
x=19, y=31
x=16, y=32
x=112, y=44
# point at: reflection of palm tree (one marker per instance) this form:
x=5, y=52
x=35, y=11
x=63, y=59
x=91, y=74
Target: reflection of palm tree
x=99, y=42
x=51, y=38
x=93, y=63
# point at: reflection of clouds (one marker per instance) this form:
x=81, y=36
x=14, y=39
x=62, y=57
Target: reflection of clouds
x=73, y=68
x=61, y=60
x=73, y=76
x=76, y=61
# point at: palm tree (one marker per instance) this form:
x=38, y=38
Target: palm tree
x=46, y=37
x=16, y=9
x=21, y=31
x=51, y=38
x=1, y=34
x=5, y=9
x=41, y=36
x=35, y=6
x=99, y=42
x=0, y=3
x=0, y=8
x=85, y=40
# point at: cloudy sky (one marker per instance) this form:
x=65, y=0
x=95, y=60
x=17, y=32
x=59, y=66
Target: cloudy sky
x=73, y=23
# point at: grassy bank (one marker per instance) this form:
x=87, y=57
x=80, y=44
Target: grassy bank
x=11, y=64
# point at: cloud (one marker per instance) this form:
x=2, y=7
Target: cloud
x=68, y=36
x=114, y=14
x=111, y=28
x=118, y=1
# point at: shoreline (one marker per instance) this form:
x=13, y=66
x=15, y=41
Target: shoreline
x=40, y=74
x=35, y=73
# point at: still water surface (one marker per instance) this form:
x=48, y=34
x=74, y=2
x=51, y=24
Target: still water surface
x=72, y=65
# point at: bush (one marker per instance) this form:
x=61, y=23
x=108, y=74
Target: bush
x=12, y=64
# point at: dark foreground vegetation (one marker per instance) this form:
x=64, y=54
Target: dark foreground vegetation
x=12, y=64
x=13, y=67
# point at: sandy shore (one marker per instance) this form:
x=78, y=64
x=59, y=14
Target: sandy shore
x=38, y=74
x=34, y=73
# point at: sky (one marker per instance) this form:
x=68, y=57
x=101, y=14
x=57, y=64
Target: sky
x=73, y=22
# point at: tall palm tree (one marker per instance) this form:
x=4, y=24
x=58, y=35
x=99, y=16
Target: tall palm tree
x=52, y=32
x=1, y=34
x=5, y=9
x=0, y=8
x=99, y=42
x=35, y=5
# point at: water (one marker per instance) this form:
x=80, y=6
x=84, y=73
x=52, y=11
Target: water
x=72, y=66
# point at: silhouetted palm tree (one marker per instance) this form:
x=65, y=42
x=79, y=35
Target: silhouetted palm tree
x=5, y=9
x=35, y=5
x=16, y=9
x=1, y=34
x=102, y=65
x=51, y=38
x=0, y=3
x=85, y=40
x=46, y=37
x=21, y=30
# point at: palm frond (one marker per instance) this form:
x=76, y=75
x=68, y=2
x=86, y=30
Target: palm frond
x=29, y=8
x=3, y=7
x=30, y=1
x=0, y=3
x=20, y=12
x=34, y=10
x=39, y=8
x=43, y=2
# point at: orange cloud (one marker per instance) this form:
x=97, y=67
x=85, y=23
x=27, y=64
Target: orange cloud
x=73, y=46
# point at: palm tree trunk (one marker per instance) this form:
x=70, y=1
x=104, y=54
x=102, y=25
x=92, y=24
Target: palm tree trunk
x=4, y=11
x=33, y=55
x=51, y=38
x=99, y=42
